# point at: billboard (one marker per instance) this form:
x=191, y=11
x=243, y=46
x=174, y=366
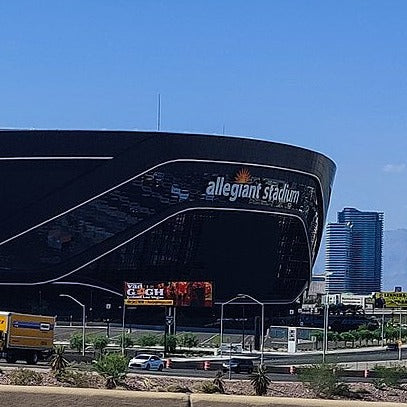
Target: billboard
x=390, y=299
x=176, y=293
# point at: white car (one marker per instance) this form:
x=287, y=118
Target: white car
x=146, y=362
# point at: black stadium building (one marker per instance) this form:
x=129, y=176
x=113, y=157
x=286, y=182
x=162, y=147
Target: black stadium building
x=84, y=211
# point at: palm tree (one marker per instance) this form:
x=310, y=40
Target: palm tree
x=219, y=382
x=348, y=337
x=333, y=337
x=391, y=333
x=366, y=335
x=377, y=334
x=358, y=336
x=370, y=336
x=260, y=381
x=58, y=361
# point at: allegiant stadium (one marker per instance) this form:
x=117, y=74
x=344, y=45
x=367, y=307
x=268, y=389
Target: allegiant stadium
x=82, y=212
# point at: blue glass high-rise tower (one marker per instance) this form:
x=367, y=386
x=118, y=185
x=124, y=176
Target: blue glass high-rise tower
x=338, y=257
x=354, y=252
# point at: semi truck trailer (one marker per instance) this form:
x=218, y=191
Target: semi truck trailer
x=25, y=337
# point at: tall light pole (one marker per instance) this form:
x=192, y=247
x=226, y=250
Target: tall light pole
x=326, y=318
x=83, y=319
x=221, y=320
x=382, y=327
x=400, y=341
x=123, y=328
x=262, y=323
x=238, y=297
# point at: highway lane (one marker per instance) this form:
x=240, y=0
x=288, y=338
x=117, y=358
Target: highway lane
x=301, y=358
x=351, y=357
x=182, y=373
x=270, y=360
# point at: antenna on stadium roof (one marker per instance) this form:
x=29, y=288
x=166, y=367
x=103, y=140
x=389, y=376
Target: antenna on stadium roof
x=223, y=129
x=159, y=112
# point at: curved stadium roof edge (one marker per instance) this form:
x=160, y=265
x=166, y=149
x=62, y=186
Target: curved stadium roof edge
x=187, y=133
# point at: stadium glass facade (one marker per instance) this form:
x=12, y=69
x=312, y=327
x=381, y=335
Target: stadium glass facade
x=84, y=211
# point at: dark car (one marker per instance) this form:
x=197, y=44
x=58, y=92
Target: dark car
x=238, y=365
x=392, y=346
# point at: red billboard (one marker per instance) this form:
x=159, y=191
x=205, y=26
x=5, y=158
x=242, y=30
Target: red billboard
x=176, y=293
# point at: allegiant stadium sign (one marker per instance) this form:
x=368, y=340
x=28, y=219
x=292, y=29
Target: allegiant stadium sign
x=243, y=187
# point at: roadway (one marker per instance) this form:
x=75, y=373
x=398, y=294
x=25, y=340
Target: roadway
x=331, y=357
x=183, y=373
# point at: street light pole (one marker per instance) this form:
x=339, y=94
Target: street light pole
x=83, y=319
x=382, y=329
x=221, y=328
x=262, y=323
x=400, y=342
x=326, y=317
x=325, y=341
x=221, y=320
x=262, y=335
x=123, y=328
x=240, y=296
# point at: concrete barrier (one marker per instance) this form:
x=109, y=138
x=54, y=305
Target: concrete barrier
x=220, y=400
x=42, y=396
x=199, y=365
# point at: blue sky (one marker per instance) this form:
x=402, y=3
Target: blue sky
x=325, y=75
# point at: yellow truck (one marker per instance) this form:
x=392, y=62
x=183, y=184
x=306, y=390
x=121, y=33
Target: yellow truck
x=25, y=337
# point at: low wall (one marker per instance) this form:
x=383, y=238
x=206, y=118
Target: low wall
x=218, y=400
x=42, y=396
x=69, y=397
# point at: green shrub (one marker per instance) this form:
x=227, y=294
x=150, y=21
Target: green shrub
x=214, y=342
x=389, y=376
x=25, y=377
x=125, y=339
x=147, y=340
x=323, y=380
x=177, y=388
x=260, y=381
x=99, y=342
x=75, y=341
x=171, y=342
x=188, y=340
x=75, y=379
x=113, y=368
x=210, y=388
